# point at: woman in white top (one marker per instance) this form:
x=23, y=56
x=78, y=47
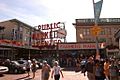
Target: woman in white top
x=56, y=71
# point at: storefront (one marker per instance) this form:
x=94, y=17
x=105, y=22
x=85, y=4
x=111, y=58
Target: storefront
x=117, y=37
x=69, y=52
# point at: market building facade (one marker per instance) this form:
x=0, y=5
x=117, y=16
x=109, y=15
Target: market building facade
x=15, y=39
x=117, y=36
x=18, y=39
x=108, y=26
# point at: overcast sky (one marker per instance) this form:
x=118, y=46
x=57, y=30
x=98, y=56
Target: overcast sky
x=36, y=12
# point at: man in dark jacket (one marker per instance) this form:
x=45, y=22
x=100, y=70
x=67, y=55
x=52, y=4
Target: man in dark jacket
x=90, y=67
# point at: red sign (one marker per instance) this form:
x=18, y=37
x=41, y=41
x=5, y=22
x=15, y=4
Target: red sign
x=77, y=46
x=49, y=26
x=47, y=34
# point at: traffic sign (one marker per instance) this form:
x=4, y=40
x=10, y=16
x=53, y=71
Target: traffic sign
x=95, y=30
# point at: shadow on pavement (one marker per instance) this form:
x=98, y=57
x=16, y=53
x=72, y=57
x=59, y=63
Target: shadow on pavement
x=24, y=78
x=68, y=69
x=1, y=75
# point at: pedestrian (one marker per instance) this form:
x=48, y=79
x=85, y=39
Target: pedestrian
x=78, y=69
x=99, y=71
x=45, y=71
x=114, y=71
x=106, y=69
x=28, y=67
x=56, y=71
x=33, y=67
x=90, y=68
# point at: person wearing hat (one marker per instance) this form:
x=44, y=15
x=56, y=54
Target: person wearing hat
x=56, y=71
x=45, y=70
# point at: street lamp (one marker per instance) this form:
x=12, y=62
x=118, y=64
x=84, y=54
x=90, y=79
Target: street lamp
x=96, y=30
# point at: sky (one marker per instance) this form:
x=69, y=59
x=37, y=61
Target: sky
x=37, y=12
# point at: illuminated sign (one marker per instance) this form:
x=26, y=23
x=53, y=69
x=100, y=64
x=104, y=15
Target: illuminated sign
x=50, y=33
x=49, y=26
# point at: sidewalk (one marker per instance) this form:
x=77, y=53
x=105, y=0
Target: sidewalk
x=68, y=75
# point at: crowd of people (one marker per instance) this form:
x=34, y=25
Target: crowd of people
x=103, y=69
x=46, y=69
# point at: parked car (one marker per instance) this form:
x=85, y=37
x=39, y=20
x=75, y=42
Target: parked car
x=24, y=63
x=15, y=67
x=3, y=69
x=39, y=64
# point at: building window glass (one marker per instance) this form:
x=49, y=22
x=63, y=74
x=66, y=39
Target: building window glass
x=27, y=31
x=102, y=40
x=102, y=32
x=21, y=29
x=26, y=39
x=86, y=31
x=109, y=31
x=20, y=36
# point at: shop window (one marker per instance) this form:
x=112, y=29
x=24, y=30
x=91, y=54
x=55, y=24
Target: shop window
x=102, y=32
x=21, y=36
x=27, y=31
x=109, y=31
x=102, y=40
x=21, y=29
x=86, y=31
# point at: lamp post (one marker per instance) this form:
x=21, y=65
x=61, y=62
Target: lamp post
x=30, y=44
x=96, y=30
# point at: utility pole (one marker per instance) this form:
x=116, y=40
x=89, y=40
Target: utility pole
x=96, y=29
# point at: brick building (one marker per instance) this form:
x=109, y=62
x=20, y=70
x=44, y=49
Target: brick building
x=109, y=27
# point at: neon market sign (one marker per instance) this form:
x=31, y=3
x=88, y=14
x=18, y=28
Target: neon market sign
x=49, y=26
x=50, y=33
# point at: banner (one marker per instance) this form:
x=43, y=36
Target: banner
x=97, y=9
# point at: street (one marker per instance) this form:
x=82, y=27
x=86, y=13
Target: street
x=68, y=75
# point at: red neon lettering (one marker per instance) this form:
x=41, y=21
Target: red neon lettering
x=47, y=42
x=88, y=46
x=50, y=34
x=47, y=26
x=39, y=27
x=59, y=41
x=54, y=41
x=58, y=24
x=51, y=26
x=46, y=34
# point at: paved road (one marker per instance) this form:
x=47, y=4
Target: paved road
x=68, y=75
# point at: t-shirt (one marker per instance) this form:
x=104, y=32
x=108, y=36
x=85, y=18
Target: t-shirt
x=56, y=70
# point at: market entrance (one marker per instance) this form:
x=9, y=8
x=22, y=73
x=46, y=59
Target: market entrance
x=69, y=53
